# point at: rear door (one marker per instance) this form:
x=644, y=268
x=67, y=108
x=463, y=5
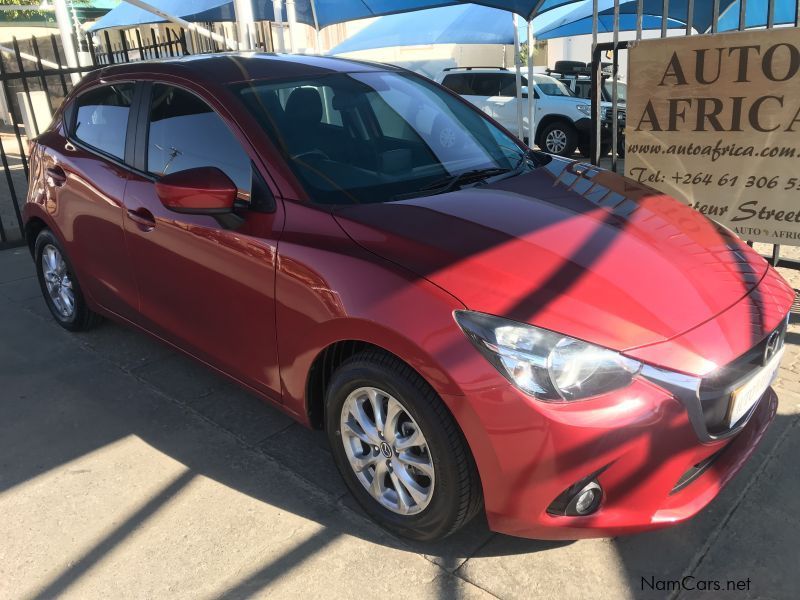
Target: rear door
x=205, y=285
x=85, y=176
x=477, y=88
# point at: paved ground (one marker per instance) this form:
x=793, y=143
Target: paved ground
x=127, y=471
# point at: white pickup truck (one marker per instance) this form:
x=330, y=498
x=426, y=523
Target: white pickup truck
x=562, y=121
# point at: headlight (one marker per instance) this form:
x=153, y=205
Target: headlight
x=545, y=364
x=586, y=109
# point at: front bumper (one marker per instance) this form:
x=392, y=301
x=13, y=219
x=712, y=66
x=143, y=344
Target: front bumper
x=641, y=440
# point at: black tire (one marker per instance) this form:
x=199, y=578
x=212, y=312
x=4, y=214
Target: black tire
x=561, y=130
x=81, y=317
x=586, y=150
x=456, y=494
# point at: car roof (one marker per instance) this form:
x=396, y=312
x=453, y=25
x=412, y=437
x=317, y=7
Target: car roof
x=231, y=67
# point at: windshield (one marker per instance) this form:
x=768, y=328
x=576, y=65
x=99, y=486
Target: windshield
x=551, y=86
x=375, y=137
x=622, y=90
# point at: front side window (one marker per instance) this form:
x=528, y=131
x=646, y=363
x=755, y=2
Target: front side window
x=551, y=86
x=393, y=134
x=101, y=118
x=508, y=85
x=185, y=133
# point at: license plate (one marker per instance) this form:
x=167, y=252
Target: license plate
x=743, y=399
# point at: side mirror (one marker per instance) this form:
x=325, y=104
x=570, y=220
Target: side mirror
x=524, y=91
x=200, y=191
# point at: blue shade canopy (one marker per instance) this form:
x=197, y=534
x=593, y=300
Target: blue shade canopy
x=461, y=24
x=578, y=21
x=128, y=15
x=756, y=14
x=328, y=12
x=702, y=15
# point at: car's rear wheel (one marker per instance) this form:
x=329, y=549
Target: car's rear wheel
x=60, y=287
x=399, y=449
x=559, y=138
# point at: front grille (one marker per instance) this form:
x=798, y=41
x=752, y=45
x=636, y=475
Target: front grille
x=716, y=390
x=608, y=114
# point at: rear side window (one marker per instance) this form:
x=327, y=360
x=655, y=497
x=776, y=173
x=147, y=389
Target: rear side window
x=185, y=133
x=101, y=118
x=460, y=83
x=486, y=84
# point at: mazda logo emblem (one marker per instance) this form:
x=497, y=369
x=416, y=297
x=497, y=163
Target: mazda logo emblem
x=386, y=450
x=773, y=345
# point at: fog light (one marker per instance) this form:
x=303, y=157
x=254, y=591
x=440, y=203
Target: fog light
x=578, y=500
x=587, y=500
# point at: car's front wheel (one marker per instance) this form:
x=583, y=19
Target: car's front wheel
x=399, y=449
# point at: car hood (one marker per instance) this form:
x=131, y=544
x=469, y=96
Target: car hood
x=568, y=247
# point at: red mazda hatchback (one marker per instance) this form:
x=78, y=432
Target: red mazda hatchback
x=475, y=325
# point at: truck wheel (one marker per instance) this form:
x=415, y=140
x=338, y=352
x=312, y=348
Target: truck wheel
x=559, y=138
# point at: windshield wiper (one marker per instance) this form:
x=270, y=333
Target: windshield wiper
x=448, y=184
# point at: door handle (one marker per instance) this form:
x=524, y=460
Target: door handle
x=56, y=176
x=143, y=218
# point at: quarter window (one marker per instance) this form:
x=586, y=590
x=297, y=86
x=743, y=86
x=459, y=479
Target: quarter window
x=101, y=119
x=186, y=133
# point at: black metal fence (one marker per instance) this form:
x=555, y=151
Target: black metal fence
x=35, y=70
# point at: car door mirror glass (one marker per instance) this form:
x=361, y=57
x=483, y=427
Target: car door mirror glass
x=199, y=191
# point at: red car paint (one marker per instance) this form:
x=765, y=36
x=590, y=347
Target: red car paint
x=567, y=247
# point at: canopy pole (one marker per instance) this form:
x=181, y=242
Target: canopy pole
x=231, y=44
x=594, y=152
x=317, y=38
x=65, y=29
x=518, y=68
x=531, y=119
x=277, y=9
x=614, y=93
x=291, y=18
x=243, y=9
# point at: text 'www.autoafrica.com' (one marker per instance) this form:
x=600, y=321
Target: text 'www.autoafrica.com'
x=715, y=151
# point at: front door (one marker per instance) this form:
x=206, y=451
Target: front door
x=205, y=286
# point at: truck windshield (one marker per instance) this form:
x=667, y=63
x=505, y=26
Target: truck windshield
x=377, y=136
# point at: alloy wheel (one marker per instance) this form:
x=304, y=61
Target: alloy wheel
x=58, y=281
x=556, y=141
x=387, y=451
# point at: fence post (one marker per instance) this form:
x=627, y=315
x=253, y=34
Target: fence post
x=124, y=43
x=57, y=55
x=109, y=50
x=3, y=73
x=26, y=90
x=40, y=68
